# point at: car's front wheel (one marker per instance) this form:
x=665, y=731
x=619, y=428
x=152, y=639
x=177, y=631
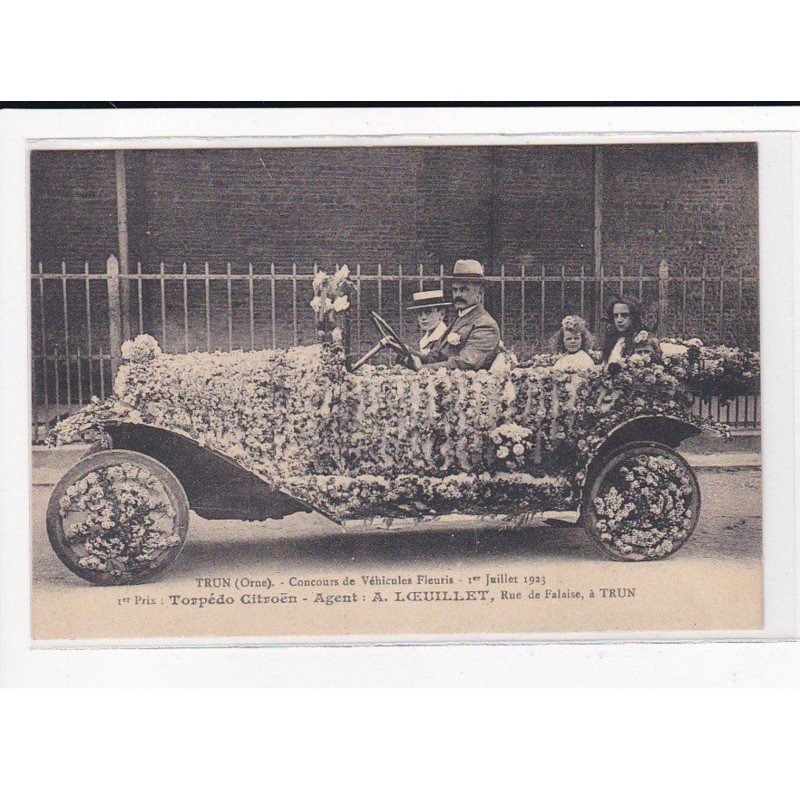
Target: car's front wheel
x=118, y=517
x=642, y=503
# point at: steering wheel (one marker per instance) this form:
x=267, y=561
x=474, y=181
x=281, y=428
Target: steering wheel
x=385, y=331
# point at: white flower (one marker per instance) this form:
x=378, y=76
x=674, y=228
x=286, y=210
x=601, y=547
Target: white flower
x=518, y=449
x=142, y=349
x=316, y=304
x=453, y=339
x=341, y=304
x=336, y=335
x=341, y=274
x=502, y=452
x=319, y=279
x=640, y=337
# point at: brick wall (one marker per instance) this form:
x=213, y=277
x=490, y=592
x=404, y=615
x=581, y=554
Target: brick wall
x=694, y=205
x=691, y=204
x=73, y=207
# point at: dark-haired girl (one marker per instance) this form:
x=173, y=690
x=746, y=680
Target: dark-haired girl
x=625, y=334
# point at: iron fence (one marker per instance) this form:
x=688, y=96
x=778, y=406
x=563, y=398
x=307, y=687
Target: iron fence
x=80, y=317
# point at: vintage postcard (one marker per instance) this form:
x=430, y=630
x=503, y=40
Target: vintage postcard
x=405, y=390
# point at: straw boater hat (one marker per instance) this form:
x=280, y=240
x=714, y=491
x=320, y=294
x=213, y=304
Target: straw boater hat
x=430, y=299
x=468, y=269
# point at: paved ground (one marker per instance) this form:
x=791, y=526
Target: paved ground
x=715, y=576
x=729, y=529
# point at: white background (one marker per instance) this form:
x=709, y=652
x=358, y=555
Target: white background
x=382, y=744
x=610, y=664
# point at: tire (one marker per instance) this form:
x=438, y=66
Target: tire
x=664, y=515
x=135, y=548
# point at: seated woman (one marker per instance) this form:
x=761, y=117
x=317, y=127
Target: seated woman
x=625, y=333
x=430, y=307
x=574, y=340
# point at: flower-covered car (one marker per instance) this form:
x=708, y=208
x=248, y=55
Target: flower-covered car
x=265, y=434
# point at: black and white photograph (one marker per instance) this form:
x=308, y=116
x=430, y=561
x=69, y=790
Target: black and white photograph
x=389, y=391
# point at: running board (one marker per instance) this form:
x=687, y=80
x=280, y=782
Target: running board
x=453, y=522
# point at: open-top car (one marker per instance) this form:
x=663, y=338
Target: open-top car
x=265, y=434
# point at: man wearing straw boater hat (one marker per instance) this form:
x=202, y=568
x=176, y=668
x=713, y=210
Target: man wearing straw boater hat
x=472, y=340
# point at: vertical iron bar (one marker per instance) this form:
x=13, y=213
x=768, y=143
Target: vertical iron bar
x=739, y=317
x=272, y=298
x=421, y=277
x=88, y=284
x=502, y=300
x=522, y=300
x=65, y=311
x=114, y=313
x=208, y=308
x=35, y=405
x=139, y=295
x=57, y=386
x=685, y=284
x=703, y=302
x=253, y=310
x=102, y=374
x=294, y=303
x=185, y=309
x=563, y=291
x=44, y=350
x=122, y=240
x=663, y=292
x=163, y=309
x=80, y=378
x=541, y=311
x=721, y=300
x=641, y=282
x=358, y=307
x=400, y=294
x=598, y=235
x=230, y=308
x=380, y=290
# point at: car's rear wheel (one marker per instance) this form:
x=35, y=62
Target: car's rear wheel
x=642, y=503
x=118, y=517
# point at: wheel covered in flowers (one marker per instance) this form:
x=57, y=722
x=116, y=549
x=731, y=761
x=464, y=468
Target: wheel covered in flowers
x=642, y=503
x=118, y=517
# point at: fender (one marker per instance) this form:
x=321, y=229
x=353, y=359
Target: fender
x=670, y=431
x=217, y=486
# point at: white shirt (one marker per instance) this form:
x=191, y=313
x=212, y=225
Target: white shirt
x=579, y=360
x=465, y=311
x=429, y=338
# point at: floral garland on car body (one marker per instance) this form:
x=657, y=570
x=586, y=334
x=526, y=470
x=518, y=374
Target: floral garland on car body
x=385, y=441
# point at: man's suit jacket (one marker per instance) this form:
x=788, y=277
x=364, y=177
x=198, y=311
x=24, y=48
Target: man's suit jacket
x=478, y=346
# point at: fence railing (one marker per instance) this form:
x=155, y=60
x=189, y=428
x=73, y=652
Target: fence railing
x=81, y=317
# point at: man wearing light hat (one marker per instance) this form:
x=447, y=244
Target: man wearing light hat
x=472, y=341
